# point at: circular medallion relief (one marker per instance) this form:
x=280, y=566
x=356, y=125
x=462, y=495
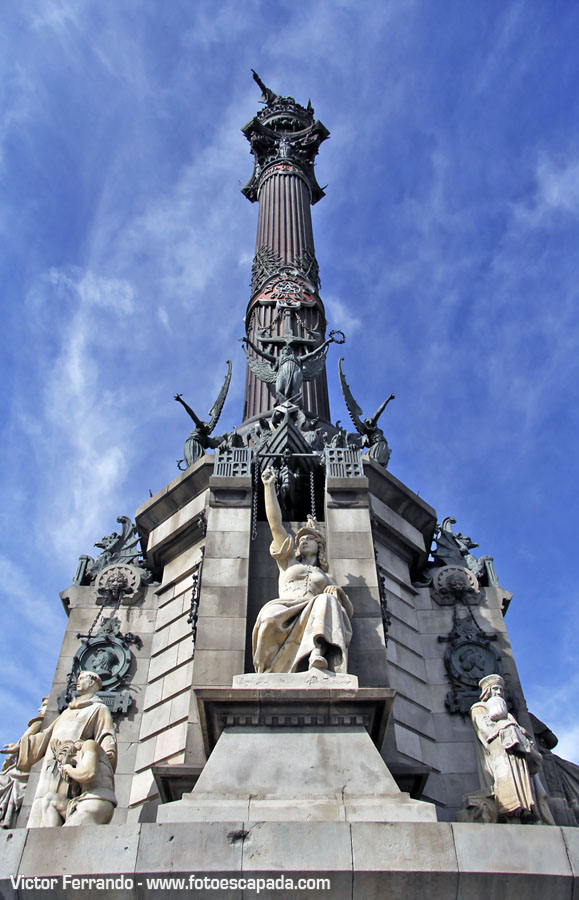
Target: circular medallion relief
x=471, y=659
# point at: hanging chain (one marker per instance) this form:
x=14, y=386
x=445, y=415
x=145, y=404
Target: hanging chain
x=313, y=329
x=254, y=497
x=88, y=635
x=273, y=322
x=313, y=493
x=74, y=671
x=195, y=594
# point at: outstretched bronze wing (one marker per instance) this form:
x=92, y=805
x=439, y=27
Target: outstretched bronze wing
x=314, y=366
x=215, y=410
x=353, y=408
x=261, y=368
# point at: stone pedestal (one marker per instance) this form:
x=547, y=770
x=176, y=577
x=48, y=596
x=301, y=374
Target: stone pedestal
x=300, y=747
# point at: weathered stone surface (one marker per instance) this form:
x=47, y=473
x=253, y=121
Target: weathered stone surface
x=354, y=571
x=357, y=545
x=222, y=600
x=365, y=600
x=413, y=715
x=182, y=565
x=142, y=788
x=414, y=860
x=396, y=523
x=408, y=685
x=350, y=521
x=571, y=839
x=365, y=860
x=217, y=667
x=455, y=757
x=225, y=572
x=301, y=847
x=509, y=862
x=304, y=773
x=407, y=659
x=11, y=849
x=191, y=847
x=91, y=849
x=228, y=519
x=227, y=544
x=369, y=667
x=220, y=633
x=171, y=527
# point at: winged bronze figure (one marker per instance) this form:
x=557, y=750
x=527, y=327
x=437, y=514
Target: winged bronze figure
x=200, y=438
x=372, y=435
x=289, y=370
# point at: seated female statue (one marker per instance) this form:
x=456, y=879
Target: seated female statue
x=308, y=625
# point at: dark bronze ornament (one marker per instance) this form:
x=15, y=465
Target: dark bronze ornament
x=455, y=584
x=470, y=656
x=289, y=370
x=283, y=134
x=117, y=549
x=386, y=616
x=107, y=653
x=200, y=438
x=372, y=436
x=454, y=550
x=303, y=270
x=117, y=584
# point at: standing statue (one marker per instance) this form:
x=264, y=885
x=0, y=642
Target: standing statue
x=308, y=625
x=372, y=436
x=79, y=749
x=199, y=440
x=509, y=759
x=289, y=370
x=12, y=781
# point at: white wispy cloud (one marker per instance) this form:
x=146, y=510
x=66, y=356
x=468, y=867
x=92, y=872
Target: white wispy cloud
x=80, y=409
x=556, y=192
x=340, y=315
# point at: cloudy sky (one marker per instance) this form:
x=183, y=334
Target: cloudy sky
x=448, y=252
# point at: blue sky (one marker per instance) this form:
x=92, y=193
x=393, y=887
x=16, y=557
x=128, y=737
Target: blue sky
x=447, y=245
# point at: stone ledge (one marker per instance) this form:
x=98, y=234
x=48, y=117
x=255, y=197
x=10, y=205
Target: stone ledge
x=174, y=496
x=289, y=707
x=364, y=860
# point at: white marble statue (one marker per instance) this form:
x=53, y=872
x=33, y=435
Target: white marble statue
x=12, y=781
x=79, y=750
x=308, y=625
x=509, y=759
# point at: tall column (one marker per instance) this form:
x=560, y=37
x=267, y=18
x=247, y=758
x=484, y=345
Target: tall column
x=285, y=307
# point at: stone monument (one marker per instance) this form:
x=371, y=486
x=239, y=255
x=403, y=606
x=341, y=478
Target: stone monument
x=285, y=644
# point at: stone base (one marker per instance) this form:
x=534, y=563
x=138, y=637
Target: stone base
x=363, y=860
x=295, y=748
x=314, y=678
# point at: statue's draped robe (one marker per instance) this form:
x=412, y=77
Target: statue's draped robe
x=289, y=378
x=504, y=754
x=82, y=720
x=290, y=627
x=12, y=787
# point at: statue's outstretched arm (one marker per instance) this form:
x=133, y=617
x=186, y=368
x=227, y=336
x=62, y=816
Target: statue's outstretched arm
x=272, y=507
x=381, y=409
x=332, y=339
x=269, y=356
x=196, y=419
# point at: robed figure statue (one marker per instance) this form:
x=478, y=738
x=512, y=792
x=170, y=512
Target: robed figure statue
x=308, y=625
